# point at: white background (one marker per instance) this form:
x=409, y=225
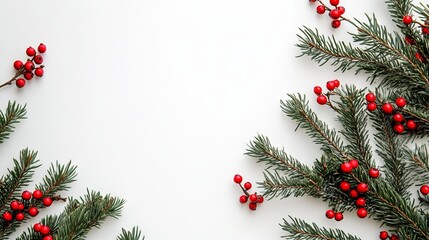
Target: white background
x=155, y=102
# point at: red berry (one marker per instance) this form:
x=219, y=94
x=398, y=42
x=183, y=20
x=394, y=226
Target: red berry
x=320, y=9
x=252, y=206
x=37, y=194
x=33, y=211
x=20, y=82
x=411, y=124
x=334, y=2
x=339, y=216
x=247, y=185
x=330, y=214
x=41, y=48
x=37, y=227
x=322, y=99
x=397, y=117
x=26, y=195
x=387, y=108
x=38, y=59
x=370, y=97
x=394, y=237
x=362, y=188
x=374, y=173
x=353, y=193
x=345, y=186
x=409, y=40
x=238, y=178
x=362, y=212
x=346, y=167
x=7, y=216
x=407, y=19
x=21, y=206
x=354, y=163
x=17, y=64
x=384, y=235
x=419, y=57
x=39, y=72
x=19, y=216
x=425, y=30
x=44, y=230
x=48, y=237
x=330, y=85
x=341, y=9
x=28, y=75
x=14, y=205
x=371, y=106
x=29, y=66
x=336, y=82
x=317, y=90
x=253, y=197
x=260, y=199
x=243, y=198
x=47, y=201
x=335, y=14
x=401, y=102
x=336, y=23
x=30, y=51
x=312, y=1
x=399, y=128
x=360, y=202
x=424, y=189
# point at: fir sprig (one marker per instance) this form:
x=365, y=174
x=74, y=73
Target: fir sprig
x=13, y=115
x=134, y=234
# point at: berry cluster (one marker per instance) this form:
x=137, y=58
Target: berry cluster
x=27, y=204
x=385, y=235
x=32, y=66
x=322, y=98
x=43, y=230
x=335, y=12
x=408, y=20
x=253, y=198
x=387, y=108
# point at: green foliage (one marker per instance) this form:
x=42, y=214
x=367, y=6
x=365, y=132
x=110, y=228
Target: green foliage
x=134, y=234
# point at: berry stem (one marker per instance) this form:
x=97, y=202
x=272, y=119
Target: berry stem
x=18, y=73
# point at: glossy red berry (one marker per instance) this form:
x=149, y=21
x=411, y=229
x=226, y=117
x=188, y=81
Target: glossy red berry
x=322, y=99
x=425, y=30
x=238, y=178
x=362, y=187
x=384, y=235
x=253, y=197
x=335, y=14
x=353, y=193
x=243, y=199
x=19, y=216
x=334, y=2
x=48, y=237
x=247, y=185
x=28, y=75
x=330, y=214
x=21, y=206
x=45, y=230
x=37, y=194
x=354, y=163
x=341, y=9
x=26, y=195
x=33, y=211
x=47, y=201
x=38, y=59
x=336, y=82
x=37, y=227
x=419, y=57
x=339, y=216
x=7, y=216
x=39, y=72
x=397, y=117
x=407, y=19
x=317, y=90
x=260, y=199
x=387, y=108
x=409, y=40
x=371, y=106
x=17, y=64
x=30, y=51
x=29, y=66
x=336, y=23
x=252, y=206
x=41, y=48
x=320, y=9
x=411, y=124
x=345, y=186
x=312, y=1
x=330, y=85
x=362, y=212
x=370, y=97
x=20, y=82
x=399, y=128
x=401, y=102
x=346, y=167
x=14, y=205
x=394, y=237
x=360, y=202
x=424, y=189
x=374, y=173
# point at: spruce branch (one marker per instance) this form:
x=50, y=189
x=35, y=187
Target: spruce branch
x=14, y=114
x=134, y=234
x=417, y=163
x=58, y=178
